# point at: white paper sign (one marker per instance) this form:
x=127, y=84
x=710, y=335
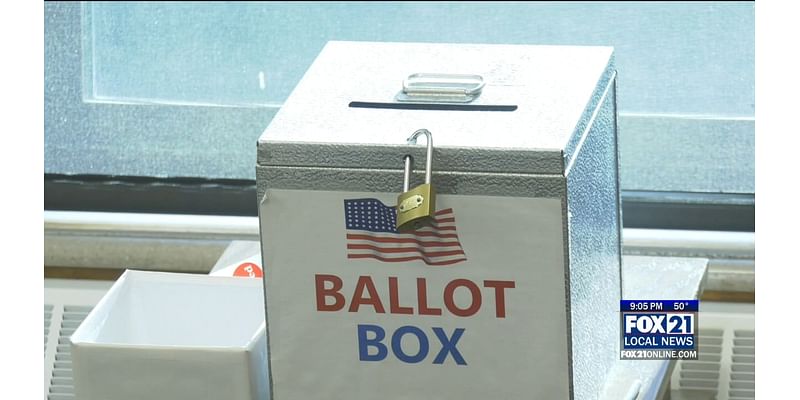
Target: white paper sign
x=472, y=308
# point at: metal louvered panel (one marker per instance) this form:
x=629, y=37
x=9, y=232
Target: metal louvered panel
x=60, y=385
x=725, y=369
x=48, y=318
x=742, y=385
x=701, y=377
x=68, y=302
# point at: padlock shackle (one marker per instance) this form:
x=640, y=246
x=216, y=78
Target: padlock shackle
x=428, y=155
x=409, y=164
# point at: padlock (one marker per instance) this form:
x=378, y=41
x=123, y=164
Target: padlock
x=416, y=207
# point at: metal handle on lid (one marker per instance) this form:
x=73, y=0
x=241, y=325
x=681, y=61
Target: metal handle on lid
x=445, y=88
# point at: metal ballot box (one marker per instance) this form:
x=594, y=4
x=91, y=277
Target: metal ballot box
x=511, y=287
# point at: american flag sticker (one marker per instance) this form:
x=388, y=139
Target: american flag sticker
x=371, y=233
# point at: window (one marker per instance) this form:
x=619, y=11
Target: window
x=167, y=97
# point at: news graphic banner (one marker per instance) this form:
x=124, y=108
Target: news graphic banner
x=472, y=306
x=658, y=329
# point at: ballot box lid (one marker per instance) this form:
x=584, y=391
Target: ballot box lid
x=490, y=108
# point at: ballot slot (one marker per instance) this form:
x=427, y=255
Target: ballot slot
x=434, y=106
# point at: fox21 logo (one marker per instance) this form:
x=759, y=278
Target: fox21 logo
x=658, y=329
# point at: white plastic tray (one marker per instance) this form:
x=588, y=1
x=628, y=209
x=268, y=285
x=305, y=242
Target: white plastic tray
x=158, y=335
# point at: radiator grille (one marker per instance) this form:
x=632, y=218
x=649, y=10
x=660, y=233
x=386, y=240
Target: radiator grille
x=68, y=318
x=725, y=369
x=67, y=303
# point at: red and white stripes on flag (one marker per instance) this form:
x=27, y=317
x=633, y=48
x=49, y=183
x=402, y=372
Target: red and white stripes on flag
x=371, y=234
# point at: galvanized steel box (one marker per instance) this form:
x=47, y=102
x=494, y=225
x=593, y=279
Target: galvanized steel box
x=530, y=170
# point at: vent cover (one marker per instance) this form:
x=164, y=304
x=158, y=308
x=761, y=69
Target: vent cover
x=725, y=369
x=48, y=317
x=67, y=303
x=61, y=387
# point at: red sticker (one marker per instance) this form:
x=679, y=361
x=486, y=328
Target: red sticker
x=248, y=270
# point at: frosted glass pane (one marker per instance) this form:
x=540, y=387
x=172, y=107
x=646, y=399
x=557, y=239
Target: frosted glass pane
x=686, y=58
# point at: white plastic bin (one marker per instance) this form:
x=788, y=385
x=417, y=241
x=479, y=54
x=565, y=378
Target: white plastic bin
x=173, y=336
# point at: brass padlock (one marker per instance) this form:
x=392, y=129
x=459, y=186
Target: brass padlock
x=416, y=207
